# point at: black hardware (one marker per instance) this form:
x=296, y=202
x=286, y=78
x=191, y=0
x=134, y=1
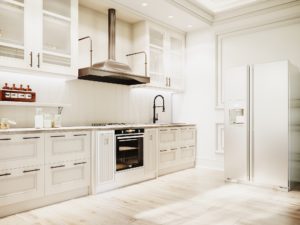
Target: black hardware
x=155, y=117
x=60, y=166
x=29, y=171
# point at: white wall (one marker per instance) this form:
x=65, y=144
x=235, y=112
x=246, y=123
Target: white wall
x=250, y=46
x=91, y=101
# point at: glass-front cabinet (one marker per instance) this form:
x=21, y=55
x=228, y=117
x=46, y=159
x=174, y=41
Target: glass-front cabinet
x=39, y=35
x=165, y=49
x=12, y=34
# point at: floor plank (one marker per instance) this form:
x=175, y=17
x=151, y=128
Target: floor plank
x=190, y=197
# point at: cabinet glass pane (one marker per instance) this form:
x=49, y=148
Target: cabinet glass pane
x=176, y=65
x=176, y=44
x=56, y=35
x=156, y=61
x=21, y=1
x=156, y=38
x=60, y=7
x=11, y=24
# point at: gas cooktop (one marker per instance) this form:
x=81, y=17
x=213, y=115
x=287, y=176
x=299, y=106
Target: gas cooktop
x=107, y=124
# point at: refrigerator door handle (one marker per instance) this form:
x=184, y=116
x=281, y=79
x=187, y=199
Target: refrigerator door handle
x=251, y=125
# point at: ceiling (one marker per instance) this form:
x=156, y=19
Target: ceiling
x=182, y=15
x=217, y=6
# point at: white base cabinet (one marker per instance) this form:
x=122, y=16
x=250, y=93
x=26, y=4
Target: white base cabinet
x=150, y=153
x=176, y=148
x=62, y=177
x=17, y=185
x=21, y=150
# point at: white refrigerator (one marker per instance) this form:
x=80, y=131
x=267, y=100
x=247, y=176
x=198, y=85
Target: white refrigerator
x=262, y=120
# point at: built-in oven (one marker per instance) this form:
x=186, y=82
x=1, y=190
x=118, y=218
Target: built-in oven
x=129, y=148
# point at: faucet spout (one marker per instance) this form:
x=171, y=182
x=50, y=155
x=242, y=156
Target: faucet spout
x=155, y=116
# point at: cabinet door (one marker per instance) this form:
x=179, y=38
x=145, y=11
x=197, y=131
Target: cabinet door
x=150, y=150
x=187, y=154
x=105, y=157
x=67, y=146
x=59, y=36
x=168, y=138
x=21, y=150
x=157, y=57
x=175, y=62
x=168, y=158
x=12, y=34
x=22, y=184
x=187, y=136
x=66, y=176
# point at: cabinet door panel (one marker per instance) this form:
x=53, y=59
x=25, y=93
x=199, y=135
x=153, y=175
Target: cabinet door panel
x=65, y=176
x=21, y=184
x=187, y=153
x=67, y=146
x=167, y=158
x=12, y=34
x=150, y=155
x=187, y=136
x=105, y=157
x=21, y=150
x=168, y=138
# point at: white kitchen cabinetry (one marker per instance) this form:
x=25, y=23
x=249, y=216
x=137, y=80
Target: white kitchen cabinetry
x=150, y=152
x=21, y=184
x=165, y=51
x=21, y=150
x=66, y=146
x=177, y=149
x=66, y=176
x=39, y=36
x=105, y=157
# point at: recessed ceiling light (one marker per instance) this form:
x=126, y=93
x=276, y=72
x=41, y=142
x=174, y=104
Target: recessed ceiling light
x=170, y=17
x=144, y=4
x=190, y=26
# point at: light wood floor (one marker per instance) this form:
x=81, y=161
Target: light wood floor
x=191, y=197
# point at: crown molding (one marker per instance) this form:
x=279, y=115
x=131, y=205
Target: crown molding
x=254, y=10
x=200, y=13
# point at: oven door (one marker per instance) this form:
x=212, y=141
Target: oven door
x=129, y=151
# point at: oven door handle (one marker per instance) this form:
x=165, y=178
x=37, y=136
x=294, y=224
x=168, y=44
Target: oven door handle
x=130, y=137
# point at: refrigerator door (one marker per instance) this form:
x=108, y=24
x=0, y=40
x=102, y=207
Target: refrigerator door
x=269, y=117
x=236, y=139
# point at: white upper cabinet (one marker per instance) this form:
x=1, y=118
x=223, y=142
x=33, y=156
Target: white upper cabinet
x=39, y=36
x=165, y=50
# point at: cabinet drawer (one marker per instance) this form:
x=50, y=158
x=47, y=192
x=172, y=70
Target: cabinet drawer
x=167, y=158
x=61, y=177
x=21, y=150
x=168, y=138
x=187, y=136
x=21, y=184
x=67, y=146
x=187, y=153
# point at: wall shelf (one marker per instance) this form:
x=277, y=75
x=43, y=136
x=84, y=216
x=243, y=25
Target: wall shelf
x=34, y=104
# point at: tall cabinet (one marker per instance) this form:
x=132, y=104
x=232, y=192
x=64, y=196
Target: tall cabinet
x=39, y=36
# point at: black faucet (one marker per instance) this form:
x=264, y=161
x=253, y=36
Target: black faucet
x=155, y=116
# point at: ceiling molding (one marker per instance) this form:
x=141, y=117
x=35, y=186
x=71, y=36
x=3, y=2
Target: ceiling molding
x=254, y=9
x=200, y=13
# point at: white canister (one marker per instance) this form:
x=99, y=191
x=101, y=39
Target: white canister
x=39, y=119
x=47, y=121
x=57, y=120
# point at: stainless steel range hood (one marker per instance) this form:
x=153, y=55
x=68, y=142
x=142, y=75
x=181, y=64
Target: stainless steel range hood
x=111, y=71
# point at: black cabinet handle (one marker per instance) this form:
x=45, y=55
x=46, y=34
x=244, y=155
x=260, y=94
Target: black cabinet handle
x=31, y=64
x=79, y=163
x=27, y=138
x=30, y=171
x=163, y=150
x=60, y=166
x=5, y=139
x=38, y=56
x=5, y=174
x=58, y=136
x=79, y=135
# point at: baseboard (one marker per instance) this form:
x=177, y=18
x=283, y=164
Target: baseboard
x=40, y=202
x=215, y=164
x=176, y=168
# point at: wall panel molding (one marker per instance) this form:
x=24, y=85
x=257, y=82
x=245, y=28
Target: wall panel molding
x=219, y=38
x=219, y=138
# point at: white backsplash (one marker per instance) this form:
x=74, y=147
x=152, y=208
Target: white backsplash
x=90, y=101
